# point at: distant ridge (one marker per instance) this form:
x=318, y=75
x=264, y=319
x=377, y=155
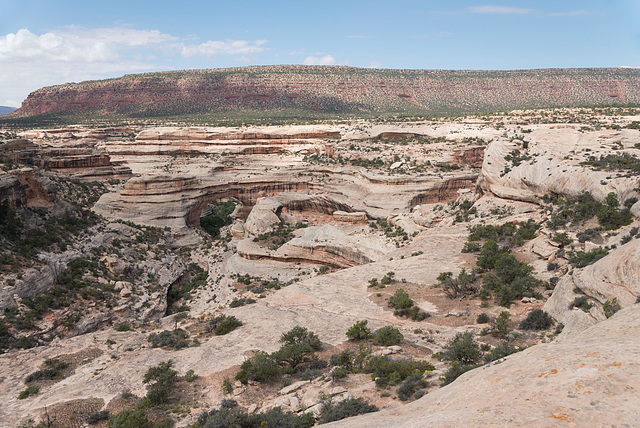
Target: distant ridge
x=329, y=91
x=6, y=110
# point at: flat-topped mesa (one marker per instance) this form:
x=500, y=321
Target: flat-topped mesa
x=328, y=91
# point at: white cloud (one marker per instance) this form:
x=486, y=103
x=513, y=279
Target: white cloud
x=228, y=47
x=375, y=64
x=76, y=44
x=504, y=10
x=30, y=61
x=324, y=60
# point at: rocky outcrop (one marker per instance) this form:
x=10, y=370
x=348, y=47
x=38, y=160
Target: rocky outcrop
x=591, y=379
x=616, y=276
x=332, y=90
x=12, y=191
x=551, y=164
x=263, y=216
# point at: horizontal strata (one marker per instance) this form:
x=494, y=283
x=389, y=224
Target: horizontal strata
x=268, y=90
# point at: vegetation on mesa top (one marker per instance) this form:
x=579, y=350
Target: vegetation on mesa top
x=319, y=92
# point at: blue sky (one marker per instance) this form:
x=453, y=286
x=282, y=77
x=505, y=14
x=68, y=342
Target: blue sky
x=47, y=42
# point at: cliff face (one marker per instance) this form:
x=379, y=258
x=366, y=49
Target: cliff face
x=323, y=90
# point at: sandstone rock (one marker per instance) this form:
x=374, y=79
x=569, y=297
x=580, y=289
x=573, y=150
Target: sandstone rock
x=293, y=387
x=354, y=217
x=585, y=380
x=263, y=216
x=615, y=276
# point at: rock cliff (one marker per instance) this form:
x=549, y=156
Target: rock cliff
x=317, y=90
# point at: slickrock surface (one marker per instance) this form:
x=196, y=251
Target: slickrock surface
x=591, y=379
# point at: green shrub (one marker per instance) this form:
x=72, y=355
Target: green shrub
x=455, y=371
x=387, y=336
x=223, y=324
x=226, y=417
x=123, y=327
x=28, y=392
x=387, y=370
x=237, y=302
x=359, y=331
x=262, y=367
x=562, y=239
x=300, y=334
x=537, y=319
x=52, y=370
x=581, y=302
x=401, y=302
x=463, y=349
x=410, y=386
x=581, y=259
x=500, y=351
x=176, y=339
x=610, y=307
x=483, y=318
x=500, y=326
x=160, y=380
x=131, y=418
x=227, y=388
x=345, y=409
x=190, y=376
x=99, y=416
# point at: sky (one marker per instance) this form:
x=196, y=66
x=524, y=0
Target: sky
x=49, y=42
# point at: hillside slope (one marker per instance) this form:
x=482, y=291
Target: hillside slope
x=326, y=91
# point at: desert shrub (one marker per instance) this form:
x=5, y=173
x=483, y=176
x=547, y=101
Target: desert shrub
x=133, y=418
x=588, y=234
x=262, y=367
x=463, y=284
x=610, y=217
x=223, y=324
x=227, y=388
x=298, y=347
x=463, y=349
x=388, y=371
x=359, y=331
x=500, y=351
x=160, y=380
x=455, y=371
x=537, y=319
x=339, y=373
x=410, y=386
x=228, y=403
x=483, y=318
x=28, y=392
x=226, y=417
x=300, y=334
x=581, y=302
x=610, y=307
x=99, y=416
x=345, y=409
x=343, y=359
x=401, y=302
x=581, y=259
x=52, y=370
x=176, y=339
x=387, y=336
x=190, y=376
x=123, y=327
x=237, y=302
x=551, y=266
x=500, y=326
x=562, y=239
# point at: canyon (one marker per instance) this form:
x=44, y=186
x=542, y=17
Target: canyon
x=319, y=215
